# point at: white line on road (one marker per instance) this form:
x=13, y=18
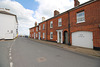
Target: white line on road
x=10, y=58
x=9, y=54
x=11, y=64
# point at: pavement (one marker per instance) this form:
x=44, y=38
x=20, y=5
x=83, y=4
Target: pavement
x=81, y=50
x=25, y=52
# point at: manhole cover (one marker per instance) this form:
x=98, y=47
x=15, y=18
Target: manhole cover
x=41, y=59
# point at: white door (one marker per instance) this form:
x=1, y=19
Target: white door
x=82, y=39
x=59, y=36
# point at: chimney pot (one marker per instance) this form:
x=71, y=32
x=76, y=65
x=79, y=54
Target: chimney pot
x=35, y=24
x=43, y=19
x=56, y=12
x=76, y=3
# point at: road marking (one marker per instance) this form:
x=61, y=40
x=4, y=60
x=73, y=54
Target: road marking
x=11, y=64
x=10, y=58
x=9, y=54
x=10, y=51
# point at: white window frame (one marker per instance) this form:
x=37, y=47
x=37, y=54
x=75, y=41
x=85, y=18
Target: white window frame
x=43, y=26
x=39, y=27
x=51, y=35
x=81, y=17
x=36, y=28
x=43, y=35
x=59, y=22
x=51, y=24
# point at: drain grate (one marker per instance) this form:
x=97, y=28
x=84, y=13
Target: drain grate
x=41, y=59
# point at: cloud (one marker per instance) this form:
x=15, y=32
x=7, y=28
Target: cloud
x=46, y=7
x=25, y=16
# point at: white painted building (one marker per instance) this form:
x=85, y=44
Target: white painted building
x=8, y=25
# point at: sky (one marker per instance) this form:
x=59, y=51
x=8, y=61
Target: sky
x=30, y=11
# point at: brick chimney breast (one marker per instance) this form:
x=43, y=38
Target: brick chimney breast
x=56, y=13
x=76, y=3
x=35, y=24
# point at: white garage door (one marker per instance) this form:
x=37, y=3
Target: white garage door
x=82, y=39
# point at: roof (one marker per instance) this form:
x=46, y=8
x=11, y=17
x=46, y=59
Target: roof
x=81, y=5
x=34, y=27
x=4, y=12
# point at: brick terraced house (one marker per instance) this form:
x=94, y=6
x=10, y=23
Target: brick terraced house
x=79, y=26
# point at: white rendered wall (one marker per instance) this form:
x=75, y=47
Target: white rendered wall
x=7, y=23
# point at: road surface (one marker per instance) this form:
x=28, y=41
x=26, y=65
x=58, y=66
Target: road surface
x=24, y=52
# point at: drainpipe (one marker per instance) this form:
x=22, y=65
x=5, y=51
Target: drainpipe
x=69, y=28
x=46, y=30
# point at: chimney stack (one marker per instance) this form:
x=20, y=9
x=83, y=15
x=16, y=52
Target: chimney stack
x=76, y=3
x=43, y=19
x=35, y=24
x=56, y=13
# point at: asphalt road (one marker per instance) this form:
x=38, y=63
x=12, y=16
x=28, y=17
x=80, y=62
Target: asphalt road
x=24, y=52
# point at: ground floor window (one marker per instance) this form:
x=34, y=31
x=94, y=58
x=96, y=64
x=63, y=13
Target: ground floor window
x=43, y=35
x=51, y=35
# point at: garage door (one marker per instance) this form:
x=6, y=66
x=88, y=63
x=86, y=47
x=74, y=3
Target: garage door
x=82, y=39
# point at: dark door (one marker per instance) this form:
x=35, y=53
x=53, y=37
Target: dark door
x=65, y=37
x=59, y=37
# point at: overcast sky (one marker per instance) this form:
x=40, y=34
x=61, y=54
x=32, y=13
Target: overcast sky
x=29, y=11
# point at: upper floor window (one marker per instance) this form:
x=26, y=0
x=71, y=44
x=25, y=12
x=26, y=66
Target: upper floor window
x=80, y=17
x=43, y=26
x=59, y=22
x=39, y=27
x=51, y=24
x=36, y=28
x=51, y=35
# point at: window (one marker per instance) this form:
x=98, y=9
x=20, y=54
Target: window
x=51, y=35
x=59, y=22
x=43, y=35
x=80, y=17
x=39, y=27
x=43, y=26
x=51, y=24
x=36, y=28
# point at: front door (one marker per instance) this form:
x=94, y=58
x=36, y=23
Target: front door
x=59, y=37
x=65, y=37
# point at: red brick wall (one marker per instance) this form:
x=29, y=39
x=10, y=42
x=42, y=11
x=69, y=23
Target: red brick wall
x=43, y=30
x=92, y=20
x=64, y=26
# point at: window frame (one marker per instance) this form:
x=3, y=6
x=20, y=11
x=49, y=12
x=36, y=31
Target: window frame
x=43, y=35
x=51, y=24
x=59, y=21
x=80, y=17
x=36, y=28
x=43, y=26
x=51, y=35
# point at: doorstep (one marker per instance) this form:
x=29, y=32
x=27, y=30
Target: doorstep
x=81, y=50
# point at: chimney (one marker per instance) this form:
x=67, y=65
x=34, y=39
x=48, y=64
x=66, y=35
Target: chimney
x=35, y=24
x=56, y=13
x=5, y=9
x=76, y=3
x=43, y=19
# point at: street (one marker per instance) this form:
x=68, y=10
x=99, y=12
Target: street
x=25, y=52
